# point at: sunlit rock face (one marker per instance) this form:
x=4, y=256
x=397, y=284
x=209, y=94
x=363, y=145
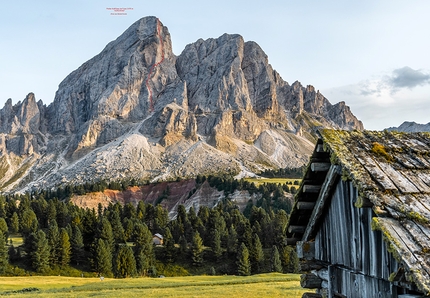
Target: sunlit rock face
x=138, y=111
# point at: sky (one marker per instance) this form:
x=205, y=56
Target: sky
x=374, y=55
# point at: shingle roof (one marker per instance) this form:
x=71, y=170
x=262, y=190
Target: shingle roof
x=392, y=171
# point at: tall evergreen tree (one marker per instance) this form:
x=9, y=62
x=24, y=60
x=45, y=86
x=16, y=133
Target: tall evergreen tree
x=104, y=231
x=53, y=237
x=169, y=250
x=4, y=254
x=256, y=254
x=4, y=228
x=14, y=223
x=102, y=258
x=28, y=222
x=38, y=251
x=290, y=261
x=117, y=228
x=125, y=264
x=197, y=249
x=77, y=245
x=64, y=248
x=275, y=260
x=143, y=249
x=216, y=244
x=243, y=264
x=232, y=240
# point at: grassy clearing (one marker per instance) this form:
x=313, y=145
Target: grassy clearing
x=257, y=182
x=17, y=239
x=263, y=285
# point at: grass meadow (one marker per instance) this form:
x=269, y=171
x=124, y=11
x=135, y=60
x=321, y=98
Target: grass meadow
x=259, y=181
x=262, y=285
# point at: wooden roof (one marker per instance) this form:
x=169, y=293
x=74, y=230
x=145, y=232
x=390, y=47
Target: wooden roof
x=391, y=171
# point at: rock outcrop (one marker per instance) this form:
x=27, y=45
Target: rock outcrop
x=136, y=110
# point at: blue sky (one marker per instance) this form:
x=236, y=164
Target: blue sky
x=374, y=55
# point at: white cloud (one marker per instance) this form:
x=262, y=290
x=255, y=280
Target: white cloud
x=387, y=100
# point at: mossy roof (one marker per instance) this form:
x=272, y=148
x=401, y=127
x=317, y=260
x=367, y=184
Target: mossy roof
x=392, y=170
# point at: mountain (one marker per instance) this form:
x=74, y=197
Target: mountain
x=411, y=127
x=138, y=111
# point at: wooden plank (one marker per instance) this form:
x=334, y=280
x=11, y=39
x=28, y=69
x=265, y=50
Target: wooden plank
x=417, y=233
x=415, y=179
x=296, y=229
x=330, y=180
x=305, y=205
x=410, y=206
x=292, y=241
x=311, y=295
x=311, y=188
x=377, y=174
x=424, y=176
x=320, y=166
x=406, y=247
x=398, y=179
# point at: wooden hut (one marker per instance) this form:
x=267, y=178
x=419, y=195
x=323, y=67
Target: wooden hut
x=361, y=218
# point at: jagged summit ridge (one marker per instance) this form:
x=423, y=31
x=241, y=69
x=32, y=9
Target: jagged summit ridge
x=137, y=110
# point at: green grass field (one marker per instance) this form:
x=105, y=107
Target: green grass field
x=262, y=285
x=272, y=180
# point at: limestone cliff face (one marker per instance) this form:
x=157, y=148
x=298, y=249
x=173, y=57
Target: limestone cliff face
x=137, y=110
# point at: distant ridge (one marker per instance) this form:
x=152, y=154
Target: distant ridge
x=411, y=127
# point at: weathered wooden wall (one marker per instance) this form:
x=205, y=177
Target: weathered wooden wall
x=346, y=240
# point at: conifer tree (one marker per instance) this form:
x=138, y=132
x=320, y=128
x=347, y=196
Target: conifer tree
x=115, y=222
x=4, y=228
x=232, y=240
x=64, y=248
x=125, y=264
x=243, y=264
x=289, y=259
x=169, y=250
x=197, y=249
x=4, y=254
x=143, y=249
x=14, y=223
x=28, y=222
x=102, y=258
x=216, y=244
x=183, y=245
x=275, y=260
x=256, y=254
x=53, y=238
x=77, y=245
x=39, y=251
x=104, y=231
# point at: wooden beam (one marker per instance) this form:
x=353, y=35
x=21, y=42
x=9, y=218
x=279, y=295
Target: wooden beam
x=320, y=166
x=310, y=265
x=292, y=241
x=305, y=205
x=296, y=229
x=311, y=188
x=311, y=295
x=310, y=281
x=329, y=181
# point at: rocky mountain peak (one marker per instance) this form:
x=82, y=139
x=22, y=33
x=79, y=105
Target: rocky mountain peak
x=137, y=110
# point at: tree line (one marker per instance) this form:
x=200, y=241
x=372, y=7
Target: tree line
x=118, y=240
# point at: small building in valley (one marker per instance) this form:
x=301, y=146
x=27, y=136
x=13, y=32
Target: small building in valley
x=157, y=239
x=361, y=218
